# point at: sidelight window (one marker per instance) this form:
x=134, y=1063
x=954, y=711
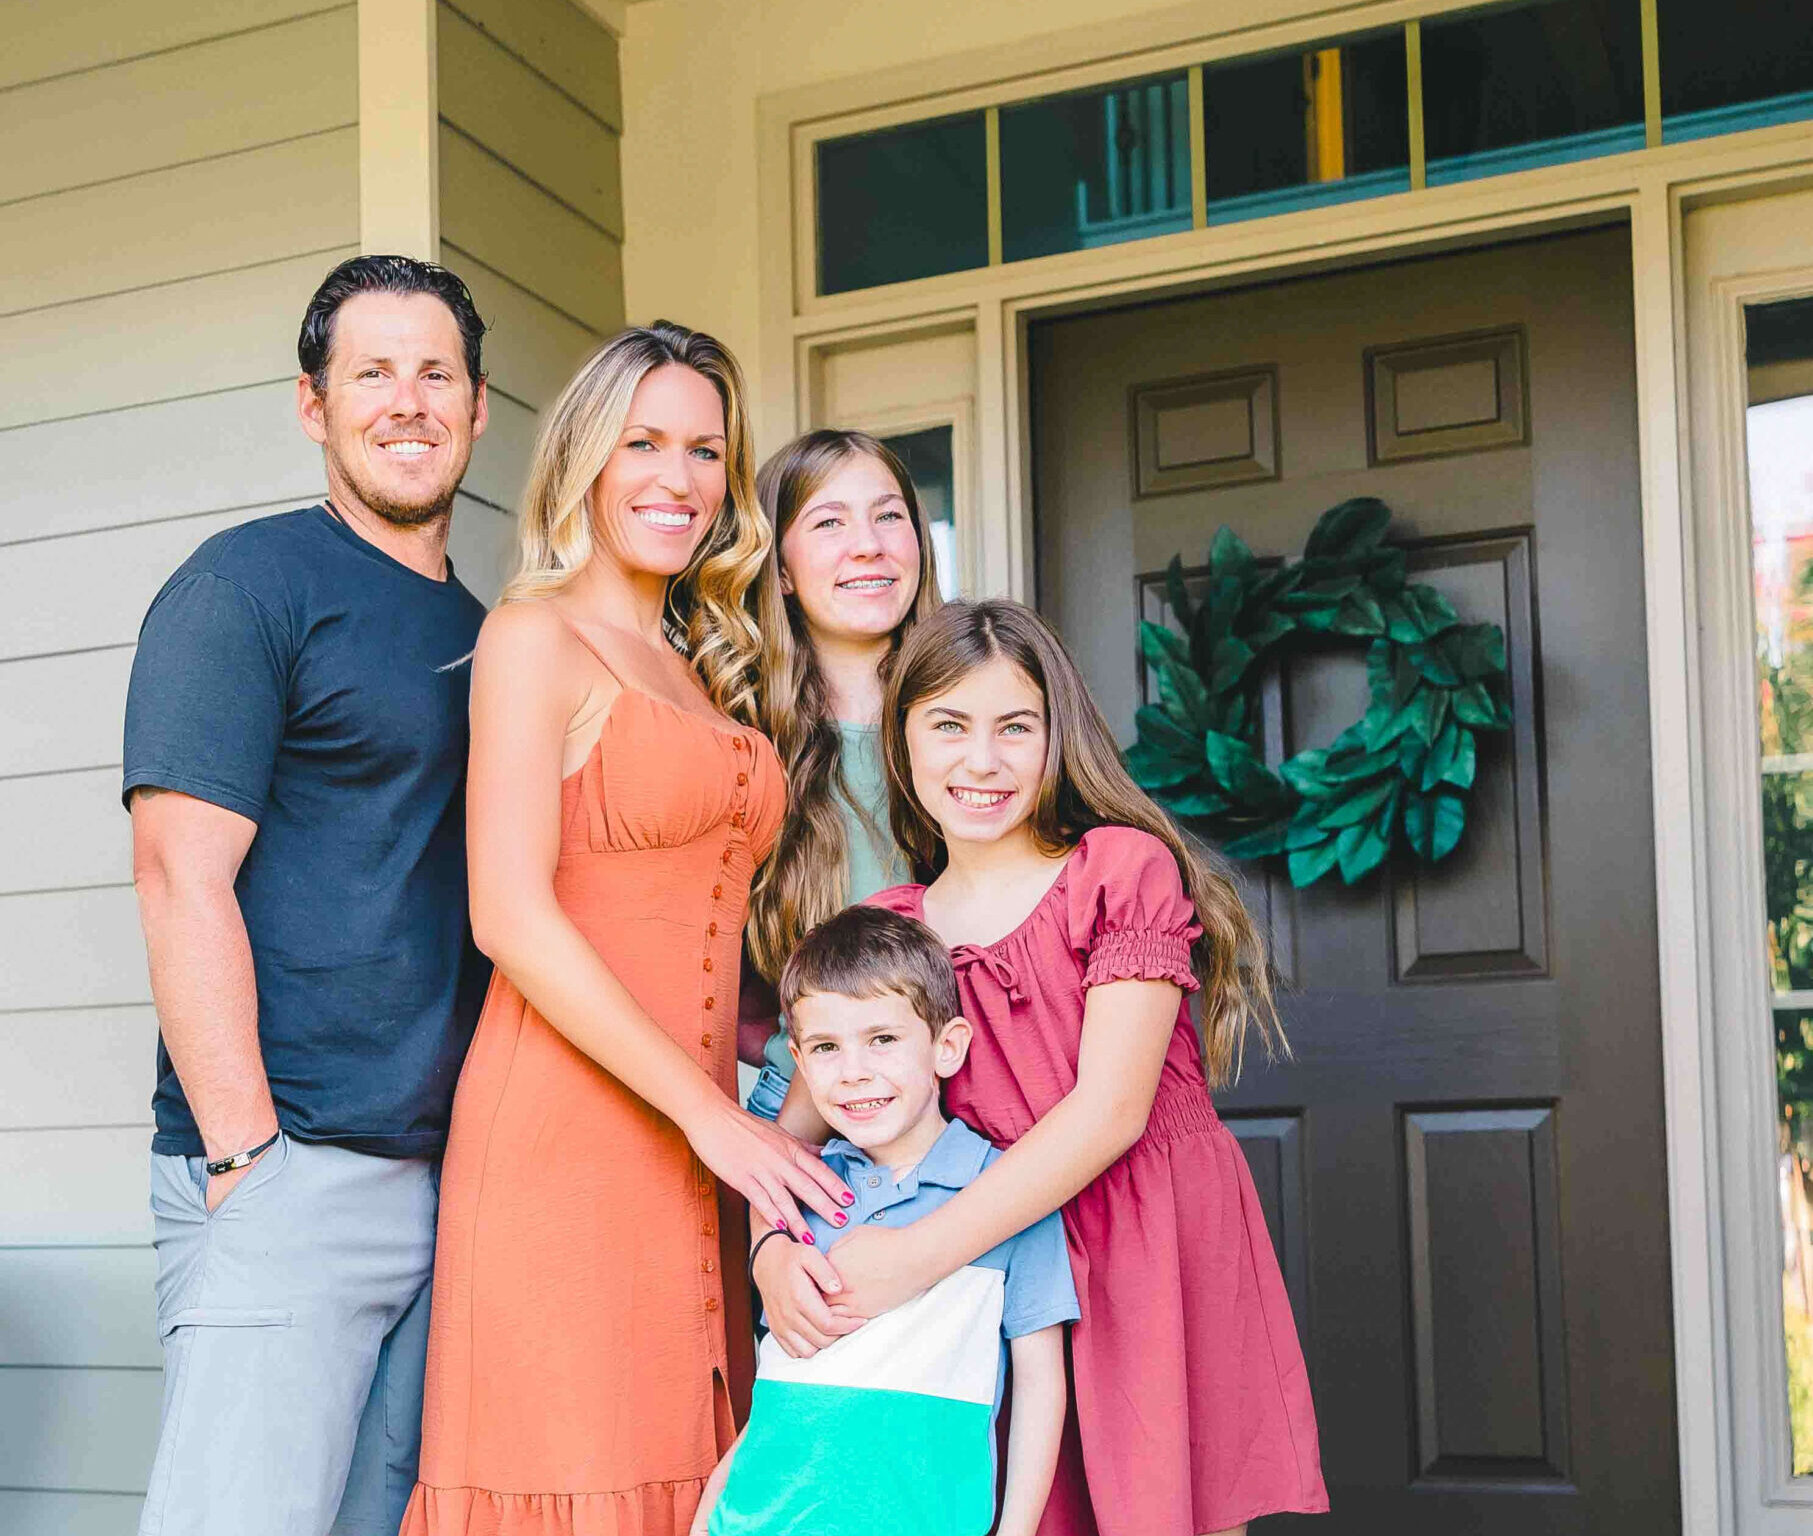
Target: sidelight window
x=1779, y=435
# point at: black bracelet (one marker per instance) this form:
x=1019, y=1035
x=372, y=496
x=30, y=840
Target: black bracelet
x=243, y=1159
x=771, y=1232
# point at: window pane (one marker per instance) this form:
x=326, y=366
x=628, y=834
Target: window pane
x=1531, y=85
x=1095, y=168
x=1299, y=129
x=1779, y=450
x=929, y=459
x=902, y=203
x=1737, y=64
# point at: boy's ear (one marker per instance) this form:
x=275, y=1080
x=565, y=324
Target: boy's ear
x=952, y=1046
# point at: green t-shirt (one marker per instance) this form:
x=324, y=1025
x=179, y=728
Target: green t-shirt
x=872, y=862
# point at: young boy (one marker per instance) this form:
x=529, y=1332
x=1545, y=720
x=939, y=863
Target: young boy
x=890, y=1431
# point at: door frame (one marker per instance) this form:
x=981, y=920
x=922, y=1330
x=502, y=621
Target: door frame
x=1770, y=1499
x=1647, y=190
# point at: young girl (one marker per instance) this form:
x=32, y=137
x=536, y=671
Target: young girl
x=1078, y=919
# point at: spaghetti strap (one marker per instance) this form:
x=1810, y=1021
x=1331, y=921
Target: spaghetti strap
x=597, y=655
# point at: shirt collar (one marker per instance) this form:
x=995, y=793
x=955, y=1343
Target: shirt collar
x=954, y=1160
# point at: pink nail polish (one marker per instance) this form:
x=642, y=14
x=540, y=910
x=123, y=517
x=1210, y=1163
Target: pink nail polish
x=780, y=1226
x=840, y=1218
x=847, y=1198
x=806, y=1238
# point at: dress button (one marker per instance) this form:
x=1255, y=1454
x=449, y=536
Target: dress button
x=708, y=1265
x=726, y=857
x=875, y=1181
x=709, y=1230
x=742, y=778
x=708, y=962
x=716, y=892
x=711, y=1303
x=705, y=1040
x=711, y=929
x=737, y=820
x=737, y=743
x=711, y=1002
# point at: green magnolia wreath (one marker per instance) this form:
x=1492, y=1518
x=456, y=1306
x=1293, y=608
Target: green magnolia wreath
x=1406, y=766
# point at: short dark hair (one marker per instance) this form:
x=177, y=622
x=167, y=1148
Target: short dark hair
x=872, y=952
x=385, y=274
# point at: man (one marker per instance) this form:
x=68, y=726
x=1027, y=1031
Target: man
x=295, y=769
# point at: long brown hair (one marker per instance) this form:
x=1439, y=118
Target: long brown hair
x=806, y=877
x=1084, y=786
x=578, y=434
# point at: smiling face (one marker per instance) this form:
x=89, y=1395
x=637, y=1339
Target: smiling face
x=664, y=482
x=978, y=753
x=872, y=1067
x=850, y=556
x=397, y=412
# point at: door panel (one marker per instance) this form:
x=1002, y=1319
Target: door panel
x=1462, y=1165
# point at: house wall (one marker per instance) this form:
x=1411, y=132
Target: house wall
x=531, y=206
x=694, y=71
x=174, y=182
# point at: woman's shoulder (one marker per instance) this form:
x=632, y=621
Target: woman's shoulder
x=528, y=627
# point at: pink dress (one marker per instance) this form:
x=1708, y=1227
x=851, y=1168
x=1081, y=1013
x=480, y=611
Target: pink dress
x=1190, y=1407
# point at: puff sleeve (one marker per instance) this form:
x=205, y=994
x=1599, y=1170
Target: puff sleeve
x=1130, y=916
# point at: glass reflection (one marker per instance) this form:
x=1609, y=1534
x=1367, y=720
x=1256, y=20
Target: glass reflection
x=1779, y=429
x=930, y=458
x=1095, y=168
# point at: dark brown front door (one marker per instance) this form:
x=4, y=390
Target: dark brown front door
x=1463, y=1165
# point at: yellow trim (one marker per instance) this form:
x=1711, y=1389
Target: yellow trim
x=1199, y=152
x=1652, y=75
x=1413, y=81
x=1325, y=123
x=991, y=125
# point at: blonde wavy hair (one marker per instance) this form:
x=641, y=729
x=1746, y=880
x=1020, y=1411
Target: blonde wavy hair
x=1085, y=785
x=806, y=878
x=578, y=434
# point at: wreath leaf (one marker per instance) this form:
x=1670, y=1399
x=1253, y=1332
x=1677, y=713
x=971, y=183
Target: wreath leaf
x=1404, y=769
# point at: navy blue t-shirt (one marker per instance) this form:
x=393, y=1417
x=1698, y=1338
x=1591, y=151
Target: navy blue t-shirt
x=295, y=673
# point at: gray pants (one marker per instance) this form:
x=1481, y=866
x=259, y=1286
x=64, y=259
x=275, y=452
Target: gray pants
x=295, y=1328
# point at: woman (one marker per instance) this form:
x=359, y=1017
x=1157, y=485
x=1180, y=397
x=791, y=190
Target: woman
x=581, y=1349
x=850, y=572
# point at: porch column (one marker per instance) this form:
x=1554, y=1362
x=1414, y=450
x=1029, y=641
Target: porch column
x=399, y=129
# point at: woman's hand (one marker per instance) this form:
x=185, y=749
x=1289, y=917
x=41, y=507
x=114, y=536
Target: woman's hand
x=795, y=1281
x=770, y=1169
x=880, y=1267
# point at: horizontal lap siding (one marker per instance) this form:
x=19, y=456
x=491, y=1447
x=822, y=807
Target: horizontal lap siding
x=531, y=207
x=174, y=181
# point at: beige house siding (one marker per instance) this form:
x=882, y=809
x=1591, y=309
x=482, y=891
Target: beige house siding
x=531, y=216
x=173, y=182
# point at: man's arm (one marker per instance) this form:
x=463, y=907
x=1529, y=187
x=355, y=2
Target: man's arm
x=1036, y=1426
x=186, y=855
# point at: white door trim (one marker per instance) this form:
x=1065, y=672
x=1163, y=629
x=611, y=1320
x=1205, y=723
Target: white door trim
x=1768, y=1499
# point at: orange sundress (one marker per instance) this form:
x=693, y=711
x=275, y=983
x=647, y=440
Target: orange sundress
x=584, y=1345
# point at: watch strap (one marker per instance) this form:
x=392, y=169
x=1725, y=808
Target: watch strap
x=243, y=1159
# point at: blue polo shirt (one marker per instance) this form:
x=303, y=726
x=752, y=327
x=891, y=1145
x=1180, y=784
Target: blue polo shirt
x=890, y=1430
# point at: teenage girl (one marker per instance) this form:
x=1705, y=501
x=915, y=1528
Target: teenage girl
x=850, y=572
x=1079, y=919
